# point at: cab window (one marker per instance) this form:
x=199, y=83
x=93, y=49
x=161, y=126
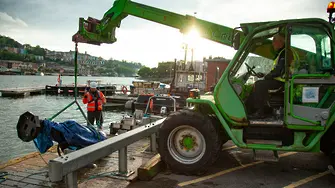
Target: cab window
x=313, y=46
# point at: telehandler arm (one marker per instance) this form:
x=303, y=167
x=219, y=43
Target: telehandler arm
x=94, y=31
x=103, y=31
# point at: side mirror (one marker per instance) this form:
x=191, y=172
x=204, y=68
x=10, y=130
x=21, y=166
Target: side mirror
x=236, y=41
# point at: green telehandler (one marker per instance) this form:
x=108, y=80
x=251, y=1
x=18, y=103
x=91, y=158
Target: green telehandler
x=300, y=115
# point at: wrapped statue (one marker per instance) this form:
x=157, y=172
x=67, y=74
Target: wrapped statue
x=68, y=134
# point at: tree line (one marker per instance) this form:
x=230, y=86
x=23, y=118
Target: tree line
x=163, y=70
x=111, y=67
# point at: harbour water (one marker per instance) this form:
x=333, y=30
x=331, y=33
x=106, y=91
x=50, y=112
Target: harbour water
x=44, y=106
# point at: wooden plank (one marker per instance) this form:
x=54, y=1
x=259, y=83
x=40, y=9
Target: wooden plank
x=150, y=169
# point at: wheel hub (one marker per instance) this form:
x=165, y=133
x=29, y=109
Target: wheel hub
x=186, y=144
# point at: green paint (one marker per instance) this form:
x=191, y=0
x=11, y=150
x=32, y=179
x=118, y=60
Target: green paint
x=326, y=96
x=306, y=127
x=229, y=103
x=188, y=142
x=218, y=115
x=238, y=133
x=316, y=147
x=298, y=139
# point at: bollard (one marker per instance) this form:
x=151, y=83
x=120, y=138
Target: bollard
x=153, y=144
x=123, y=161
x=123, y=172
x=71, y=180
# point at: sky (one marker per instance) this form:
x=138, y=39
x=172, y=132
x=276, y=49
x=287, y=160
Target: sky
x=51, y=24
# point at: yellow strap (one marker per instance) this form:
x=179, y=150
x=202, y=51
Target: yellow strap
x=295, y=62
x=276, y=60
x=280, y=79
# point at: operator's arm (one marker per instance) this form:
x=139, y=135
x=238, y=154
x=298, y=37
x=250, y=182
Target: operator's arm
x=103, y=98
x=85, y=100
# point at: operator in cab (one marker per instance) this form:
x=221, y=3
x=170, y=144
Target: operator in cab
x=275, y=79
x=94, y=100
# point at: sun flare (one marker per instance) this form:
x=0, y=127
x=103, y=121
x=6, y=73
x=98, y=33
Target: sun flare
x=192, y=38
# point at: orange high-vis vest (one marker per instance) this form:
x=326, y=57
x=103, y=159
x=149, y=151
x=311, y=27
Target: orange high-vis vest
x=93, y=105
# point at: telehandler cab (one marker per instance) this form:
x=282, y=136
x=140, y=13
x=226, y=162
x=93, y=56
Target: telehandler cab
x=301, y=114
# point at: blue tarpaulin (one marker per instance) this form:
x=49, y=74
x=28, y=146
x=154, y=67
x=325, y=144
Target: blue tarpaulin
x=72, y=133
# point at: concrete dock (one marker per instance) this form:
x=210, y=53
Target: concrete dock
x=234, y=169
x=22, y=92
x=32, y=170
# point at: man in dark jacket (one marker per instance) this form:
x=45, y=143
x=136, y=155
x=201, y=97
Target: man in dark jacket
x=273, y=80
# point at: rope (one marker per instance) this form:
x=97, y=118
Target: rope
x=42, y=158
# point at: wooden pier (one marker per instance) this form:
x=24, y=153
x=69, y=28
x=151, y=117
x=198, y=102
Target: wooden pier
x=115, y=102
x=119, y=99
x=70, y=90
x=22, y=92
x=109, y=90
x=113, y=106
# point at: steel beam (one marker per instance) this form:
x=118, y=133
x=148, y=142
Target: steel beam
x=71, y=162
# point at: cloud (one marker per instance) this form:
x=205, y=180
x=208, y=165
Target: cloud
x=20, y=31
x=7, y=21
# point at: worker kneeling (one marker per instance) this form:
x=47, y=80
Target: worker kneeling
x=68, y=134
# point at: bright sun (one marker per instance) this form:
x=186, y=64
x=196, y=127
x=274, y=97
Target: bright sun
x=192, y=38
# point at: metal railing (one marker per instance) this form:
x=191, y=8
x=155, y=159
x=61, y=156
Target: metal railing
x=160, y=97
x=68, y=164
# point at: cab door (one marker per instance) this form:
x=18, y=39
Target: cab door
x=237, y=82
x=310, y=91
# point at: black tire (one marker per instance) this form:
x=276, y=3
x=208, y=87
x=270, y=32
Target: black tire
x=222, y=132
x=327, y=143
x=191, y=121
x=332, y=159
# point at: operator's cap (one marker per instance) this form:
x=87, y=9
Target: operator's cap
x=93, y=85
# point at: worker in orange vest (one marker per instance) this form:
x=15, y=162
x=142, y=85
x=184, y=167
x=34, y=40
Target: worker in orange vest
x=94, y=100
